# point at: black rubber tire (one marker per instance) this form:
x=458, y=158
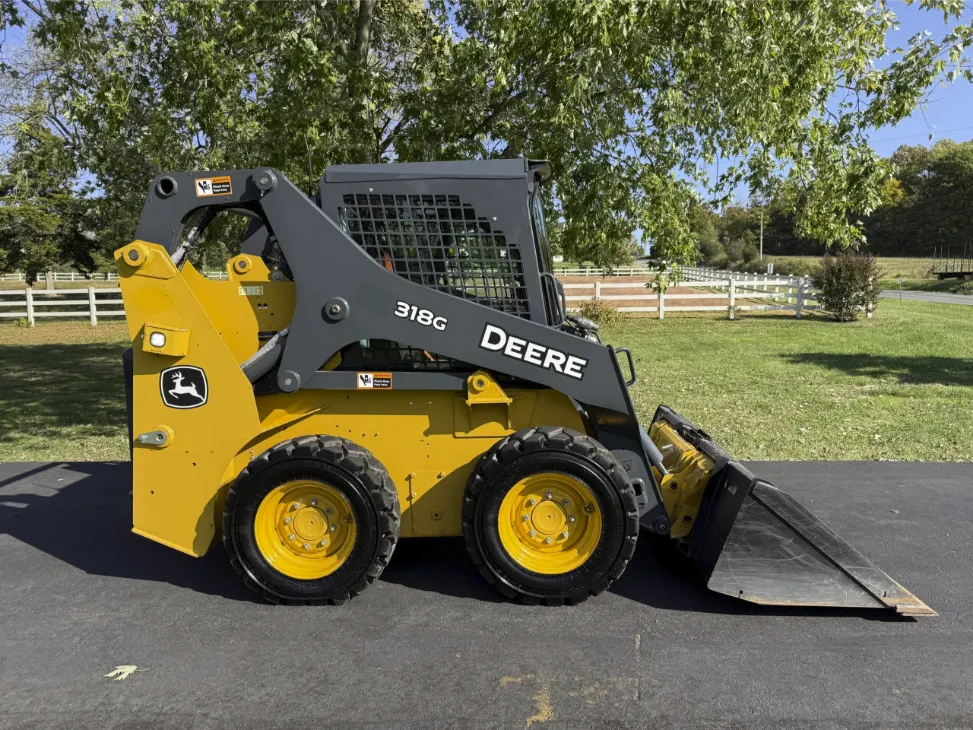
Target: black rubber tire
x=544, y=450
x=342, y=464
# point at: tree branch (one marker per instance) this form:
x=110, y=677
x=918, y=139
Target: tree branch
x=363, y=31
x=487, y=122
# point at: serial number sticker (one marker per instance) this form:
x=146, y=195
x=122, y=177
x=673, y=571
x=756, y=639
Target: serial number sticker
x=251, y=291
x=375, y=381
x=206, y=186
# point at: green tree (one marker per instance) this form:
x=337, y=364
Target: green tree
x=630, y=100
x=41, y=215
x=704, y=224
x=930, y=206
x=911, y=170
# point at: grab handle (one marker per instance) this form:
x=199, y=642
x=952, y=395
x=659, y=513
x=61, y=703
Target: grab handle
x=631, y=364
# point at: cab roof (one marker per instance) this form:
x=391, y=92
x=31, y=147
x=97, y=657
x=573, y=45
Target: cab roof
x=459, y=169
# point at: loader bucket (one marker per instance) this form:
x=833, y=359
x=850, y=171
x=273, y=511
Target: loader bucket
x=755, y=542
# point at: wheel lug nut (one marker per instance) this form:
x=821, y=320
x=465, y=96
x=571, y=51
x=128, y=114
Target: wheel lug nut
x=589, y=508
x=333, y=528
x=290, y=537
x=531, y=501
x=525, y=517
x=287, y=520
x=296, y=505
x=314, y=502
x=572, y=518
x=565, y=534
x=307, y=546
x=327, y=510
x=324, y=543
x=548, y=496
x=548, y=541
x=565, y=502
x=532, y=533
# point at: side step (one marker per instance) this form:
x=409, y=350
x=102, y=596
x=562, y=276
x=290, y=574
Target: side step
x=754, y=541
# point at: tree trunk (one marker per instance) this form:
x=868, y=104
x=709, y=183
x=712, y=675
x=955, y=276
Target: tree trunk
x=358, y=71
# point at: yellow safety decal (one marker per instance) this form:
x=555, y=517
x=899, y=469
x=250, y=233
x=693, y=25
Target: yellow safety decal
x=207, y=186
x=376, y=381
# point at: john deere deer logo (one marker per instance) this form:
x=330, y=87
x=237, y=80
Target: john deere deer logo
x=183, y=386
x=180, y=389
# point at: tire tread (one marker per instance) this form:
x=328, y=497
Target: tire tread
x=347, y=455
x=550, y=438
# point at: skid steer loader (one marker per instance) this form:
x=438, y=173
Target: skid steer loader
x=396, y=359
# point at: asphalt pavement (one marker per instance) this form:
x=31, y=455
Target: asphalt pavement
x=431, y=645
x=928, y=296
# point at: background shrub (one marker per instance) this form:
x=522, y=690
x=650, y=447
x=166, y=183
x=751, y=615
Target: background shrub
x=749, y=252
x=753, y=266
x=599, y=312
x=795, y=267
x=848, y=283
x=711, y=252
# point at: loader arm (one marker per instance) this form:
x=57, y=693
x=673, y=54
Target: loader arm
x=344, y=296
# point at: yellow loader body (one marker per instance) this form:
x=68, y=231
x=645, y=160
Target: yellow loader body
x=428, y=440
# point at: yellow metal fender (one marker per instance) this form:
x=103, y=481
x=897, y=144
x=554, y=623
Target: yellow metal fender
x=175, y=487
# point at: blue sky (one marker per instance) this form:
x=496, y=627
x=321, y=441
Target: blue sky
x=948, y=113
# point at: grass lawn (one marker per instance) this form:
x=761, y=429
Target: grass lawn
x=899, y=386
x=946, y=286
x=915, y=269
x=916, y=274
x=61, y=392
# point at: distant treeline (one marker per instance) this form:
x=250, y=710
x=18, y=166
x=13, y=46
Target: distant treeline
x=928, y=202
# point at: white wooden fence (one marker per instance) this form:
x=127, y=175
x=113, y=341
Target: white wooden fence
x=705, y=273
x=796, y=295
x=112, y=276
x=75, y=276
x=29, y=304
x=743, y=293
x=593, y=271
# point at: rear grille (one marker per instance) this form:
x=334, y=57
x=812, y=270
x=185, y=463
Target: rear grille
x=439, y=242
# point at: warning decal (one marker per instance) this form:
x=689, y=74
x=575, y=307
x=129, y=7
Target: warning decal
x=378, y=381
x=206, y=186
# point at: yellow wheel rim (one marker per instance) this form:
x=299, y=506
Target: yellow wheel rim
x=305, y=529
x=550, y=523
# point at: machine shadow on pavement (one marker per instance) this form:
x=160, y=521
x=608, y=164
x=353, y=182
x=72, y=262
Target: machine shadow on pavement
x=654, y=578
x=83, y=516
x=84, y=519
